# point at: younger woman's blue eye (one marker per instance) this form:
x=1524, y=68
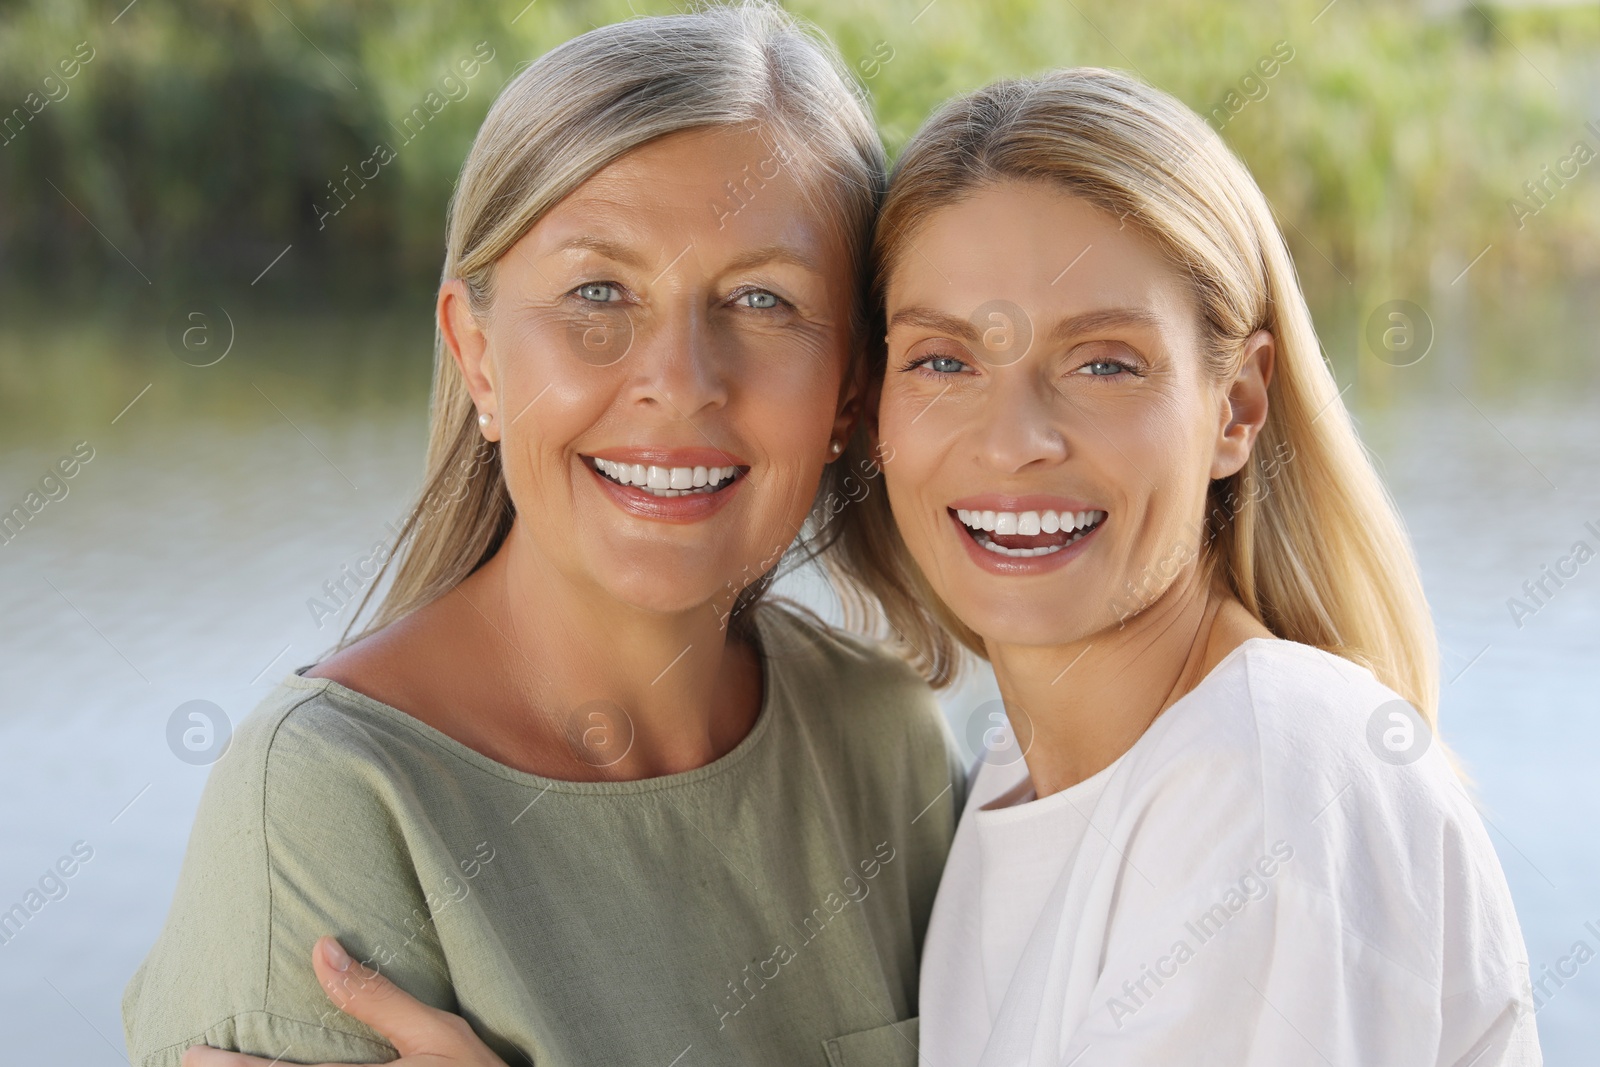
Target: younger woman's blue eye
x=944, y=364
x=599, y=292
x=759, y=299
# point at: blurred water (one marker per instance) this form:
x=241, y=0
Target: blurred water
x=179, y=565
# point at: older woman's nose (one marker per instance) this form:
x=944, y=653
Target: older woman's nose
x=676, y=363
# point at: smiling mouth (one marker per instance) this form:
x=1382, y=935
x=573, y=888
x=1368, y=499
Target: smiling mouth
x=666, y=481
x=1028, y=533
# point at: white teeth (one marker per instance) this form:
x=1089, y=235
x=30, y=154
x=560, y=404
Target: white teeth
x=666, y=481
x=1075, y=524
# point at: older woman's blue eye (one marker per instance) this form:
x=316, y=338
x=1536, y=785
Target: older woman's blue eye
x=1103, y=368
x=759, y=299
x=599, y=292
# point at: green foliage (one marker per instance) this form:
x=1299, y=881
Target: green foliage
x=206, y=136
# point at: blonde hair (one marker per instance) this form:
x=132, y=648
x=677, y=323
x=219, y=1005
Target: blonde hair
x=1320, y=556
x=566, y=116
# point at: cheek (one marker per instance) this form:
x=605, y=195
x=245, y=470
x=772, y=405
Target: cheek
x=1164, y=461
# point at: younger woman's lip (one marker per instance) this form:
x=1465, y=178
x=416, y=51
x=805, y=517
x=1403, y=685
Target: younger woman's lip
x=995, y=563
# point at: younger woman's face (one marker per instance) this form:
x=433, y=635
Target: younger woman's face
x=1053, y=427
x=665, y=360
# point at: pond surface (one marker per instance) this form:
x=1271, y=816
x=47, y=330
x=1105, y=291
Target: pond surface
x=216, y=501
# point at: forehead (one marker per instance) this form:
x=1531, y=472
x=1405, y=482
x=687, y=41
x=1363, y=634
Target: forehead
x=1032, y=243
x=707, y=190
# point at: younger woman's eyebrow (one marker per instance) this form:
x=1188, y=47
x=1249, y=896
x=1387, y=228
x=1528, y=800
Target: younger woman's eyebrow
x=938, y=321
x=1104, y=319
x=1087, y=322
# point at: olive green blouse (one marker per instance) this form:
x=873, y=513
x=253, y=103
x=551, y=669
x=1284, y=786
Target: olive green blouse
x=767, y=908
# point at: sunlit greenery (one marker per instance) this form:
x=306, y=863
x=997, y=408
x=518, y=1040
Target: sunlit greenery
x=201, y=139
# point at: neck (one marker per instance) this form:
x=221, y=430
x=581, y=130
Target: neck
x=1087, y=702
x=632, y=693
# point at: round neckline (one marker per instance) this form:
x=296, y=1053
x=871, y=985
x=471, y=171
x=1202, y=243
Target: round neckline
x=770, y=705
x=995, y=816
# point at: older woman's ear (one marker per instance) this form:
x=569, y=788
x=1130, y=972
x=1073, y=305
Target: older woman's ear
x=465, y=340
x=1246, y=409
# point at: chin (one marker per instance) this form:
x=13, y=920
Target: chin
x=666, y=583
x=1035, y=618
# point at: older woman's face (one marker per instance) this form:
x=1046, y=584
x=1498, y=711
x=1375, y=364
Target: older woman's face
x=1053, y=427
x=665, y=360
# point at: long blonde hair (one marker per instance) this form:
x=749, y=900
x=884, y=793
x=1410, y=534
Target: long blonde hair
x=579, y=107
x=1319, y=556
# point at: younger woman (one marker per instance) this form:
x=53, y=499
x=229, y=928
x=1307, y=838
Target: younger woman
x=1218, y=833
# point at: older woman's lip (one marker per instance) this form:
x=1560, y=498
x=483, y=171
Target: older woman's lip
x=660, y=456
x=664, y=504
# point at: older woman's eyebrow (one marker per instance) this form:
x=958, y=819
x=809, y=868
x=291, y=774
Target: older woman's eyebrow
x=757, y=257
x=587, y=242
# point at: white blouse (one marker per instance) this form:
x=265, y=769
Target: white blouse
x=1283, y=870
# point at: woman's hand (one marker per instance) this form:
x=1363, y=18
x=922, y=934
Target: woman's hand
x=423, y=1035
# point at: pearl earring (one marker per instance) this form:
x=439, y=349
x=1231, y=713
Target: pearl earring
x=836, y=447
x=484, y=418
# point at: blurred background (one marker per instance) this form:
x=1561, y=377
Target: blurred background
x=221, y=226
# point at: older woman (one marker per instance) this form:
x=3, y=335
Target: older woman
x=577, y=782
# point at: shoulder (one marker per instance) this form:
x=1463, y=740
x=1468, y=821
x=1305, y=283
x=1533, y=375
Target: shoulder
x=829, y=663
x=296, y=834
x=312, y=770
x=1291, y=720
x=857, y=694
x=1292, y=751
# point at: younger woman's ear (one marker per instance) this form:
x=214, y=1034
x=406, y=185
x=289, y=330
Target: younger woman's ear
x=1246, y=409
x=468, y=346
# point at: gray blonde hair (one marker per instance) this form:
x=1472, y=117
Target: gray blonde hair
x=565, y=117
